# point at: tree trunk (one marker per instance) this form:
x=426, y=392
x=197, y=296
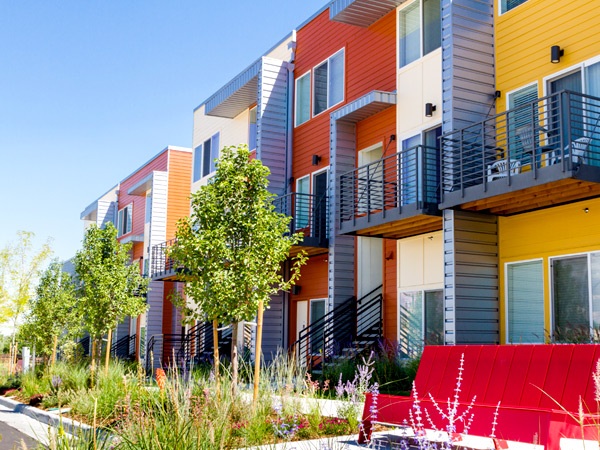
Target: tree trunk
x=234, y=358
x=216, y=352
x=93, y=359
x=54, y=345
x=257, y=351
x=108, y=344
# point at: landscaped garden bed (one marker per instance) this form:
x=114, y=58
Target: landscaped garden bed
x=195, y=409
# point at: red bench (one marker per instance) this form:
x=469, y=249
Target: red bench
x=523, y=378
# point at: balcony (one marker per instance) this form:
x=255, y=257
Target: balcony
x=309, y=215
x=163, y=267
x=394, y=197
x=540, y=154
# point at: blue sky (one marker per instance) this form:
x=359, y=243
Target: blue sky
x=89, y=90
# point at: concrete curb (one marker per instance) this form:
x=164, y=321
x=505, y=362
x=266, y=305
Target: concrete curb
x=69, y=425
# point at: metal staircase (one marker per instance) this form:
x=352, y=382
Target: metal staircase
x=349, y=329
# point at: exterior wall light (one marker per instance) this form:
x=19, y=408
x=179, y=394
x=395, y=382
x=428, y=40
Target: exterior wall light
x=555, y=53
x=429, y=109
x=316, y=160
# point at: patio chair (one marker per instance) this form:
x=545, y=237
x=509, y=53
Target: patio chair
x=578, y=148
x=500, y=169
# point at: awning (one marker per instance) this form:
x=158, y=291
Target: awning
x=237, y=95
x=361, y=13
x=365, y=106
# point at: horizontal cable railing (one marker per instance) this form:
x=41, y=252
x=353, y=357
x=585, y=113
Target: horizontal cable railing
x=161, y=263
x=407, y=177
x=559, y=129
x=309, y=213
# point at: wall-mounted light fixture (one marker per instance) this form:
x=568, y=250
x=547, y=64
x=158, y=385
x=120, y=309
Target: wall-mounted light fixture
x=586, y=210
x=296, y=289
x=316, y=160
x=555, y=53
x=429, y=109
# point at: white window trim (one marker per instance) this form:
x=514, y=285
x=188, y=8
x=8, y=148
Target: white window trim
x=421, y=37
x=572, y=69
x=309, y=74
x=312, y=87
x=422, y=290
x=312, y=178
x=551, y=290
x=506, y=333
x=119, y=224
x=204, y=178
x=509, y=94
x=310, y=303
x=500, y=13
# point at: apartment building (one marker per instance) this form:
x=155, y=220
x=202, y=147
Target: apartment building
x=145, y=207
x=528, y=199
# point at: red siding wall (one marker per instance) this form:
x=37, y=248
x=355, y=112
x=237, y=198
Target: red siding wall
x=390, y=301
x=139, y=203
x=313, y=284
x=370, y=56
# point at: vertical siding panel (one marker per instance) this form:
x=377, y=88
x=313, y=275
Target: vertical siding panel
x=471, y=278
x=272, y=121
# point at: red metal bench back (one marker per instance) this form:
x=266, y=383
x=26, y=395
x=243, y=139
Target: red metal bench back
x=514, y=375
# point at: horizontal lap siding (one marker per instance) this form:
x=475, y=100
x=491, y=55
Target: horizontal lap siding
x=525, y=34
x=180, y=181
x=159, y=163
x=370, y=55
x=390, y=304
x=376, y=129
x=313, y=285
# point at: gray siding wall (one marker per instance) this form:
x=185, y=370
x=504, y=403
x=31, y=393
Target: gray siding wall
x=471, y=278
x=272, y=121
x=154, y=318
x=273, y=330
x=341, y=248
x=468, y=79
x=122, y=330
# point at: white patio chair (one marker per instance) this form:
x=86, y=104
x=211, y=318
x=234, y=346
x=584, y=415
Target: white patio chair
x=578, y=148
x=500, y=169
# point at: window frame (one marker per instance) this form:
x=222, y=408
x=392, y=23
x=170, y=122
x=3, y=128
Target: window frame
x=506, y=324
x=250, y=142
x=312, y=96
x=421, y=34
x=588, y=256
x=500, y=9
x=120, y=220
x=422, y=290
x=309, y=74
x=201, y=147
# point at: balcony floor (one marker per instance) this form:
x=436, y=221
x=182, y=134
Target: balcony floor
x=526, y=193
x=396, y=223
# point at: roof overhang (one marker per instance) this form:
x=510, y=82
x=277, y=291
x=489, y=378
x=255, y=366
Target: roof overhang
x=237, y=95
x=365, y=106
x=361, y=13
x=141, y=187
x=88, y=213
x=135, y=238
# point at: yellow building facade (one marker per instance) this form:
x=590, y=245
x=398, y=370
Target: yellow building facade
x=549, y=255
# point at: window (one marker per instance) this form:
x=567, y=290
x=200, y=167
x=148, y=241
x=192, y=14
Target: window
x=507, y=5
x=575, y=296
x=419, y=30
x=252, y=130
x=302, y=109
x=522, y=139
x=205, y=156
x=421, y=321
x=303, y=201
x=329, y=83
x=525, y=302
x=124, y=220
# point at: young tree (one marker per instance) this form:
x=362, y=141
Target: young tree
x=53, y=315
x=110, y=286
x=232, y=248
x=20, y=266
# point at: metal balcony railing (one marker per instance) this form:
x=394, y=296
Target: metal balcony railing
x=309, y=215
x=559, y=130
x=162, y=264
x=409, y=177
